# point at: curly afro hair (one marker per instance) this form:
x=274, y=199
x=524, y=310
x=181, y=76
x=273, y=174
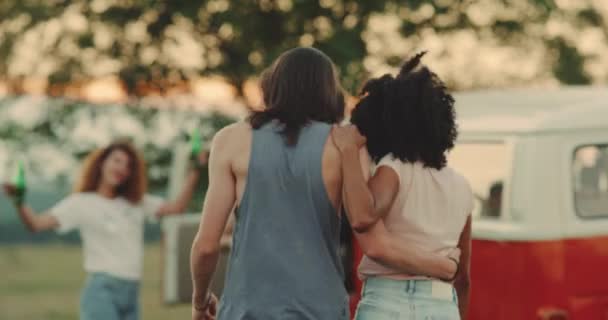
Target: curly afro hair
x=410, y=116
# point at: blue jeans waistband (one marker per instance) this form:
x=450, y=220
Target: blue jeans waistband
x=108, y=278
x=385, y=299
x=404, y=288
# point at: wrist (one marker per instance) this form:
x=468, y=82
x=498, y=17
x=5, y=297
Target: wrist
x=201, y=304
x=198, y=162
x=196, y=166
x=350, y=149
x=19, y=203
x=456, y=270
x=194, y=173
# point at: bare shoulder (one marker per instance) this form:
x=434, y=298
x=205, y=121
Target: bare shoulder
x=232, y=130
x=232, y=136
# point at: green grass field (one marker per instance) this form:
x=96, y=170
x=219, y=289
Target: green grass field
x=44, y=283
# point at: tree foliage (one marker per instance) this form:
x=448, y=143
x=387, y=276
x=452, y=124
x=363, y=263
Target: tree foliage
x=158, y=44
x=164, y=42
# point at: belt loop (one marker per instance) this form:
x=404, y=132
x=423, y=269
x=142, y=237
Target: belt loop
x=363, y=287
x=413, y=289
x=410, y=287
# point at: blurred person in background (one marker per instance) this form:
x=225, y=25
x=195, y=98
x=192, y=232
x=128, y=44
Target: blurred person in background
x=492, y=206
x=405, y=125
x=283, y=173
x=109, y=207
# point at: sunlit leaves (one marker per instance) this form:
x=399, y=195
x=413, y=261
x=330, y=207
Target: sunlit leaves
x=159, y=44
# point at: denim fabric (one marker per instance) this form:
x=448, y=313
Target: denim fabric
x=105, y=297
x=386, y=299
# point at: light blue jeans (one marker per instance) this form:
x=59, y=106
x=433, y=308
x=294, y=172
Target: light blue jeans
x=386, y=299
x=106, y=297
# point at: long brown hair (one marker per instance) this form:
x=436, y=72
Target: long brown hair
x=301, y=86
x=133, y=189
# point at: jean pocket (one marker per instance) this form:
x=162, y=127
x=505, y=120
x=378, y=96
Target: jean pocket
x=372, y=312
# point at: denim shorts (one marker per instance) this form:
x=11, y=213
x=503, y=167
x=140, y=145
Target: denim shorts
x=106, y=297
x=386, y=299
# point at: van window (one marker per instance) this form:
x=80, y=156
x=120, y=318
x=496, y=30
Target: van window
x=485, y=166
x=590, y=171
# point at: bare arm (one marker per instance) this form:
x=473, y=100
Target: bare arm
x=36, y=222
x=33, y=222
x=463, y=279
x=366, y=203
x=180, y=204
x=219, y=201
x=379, y=245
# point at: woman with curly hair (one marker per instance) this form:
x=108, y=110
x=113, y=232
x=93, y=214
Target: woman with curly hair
x=109, y=207
x=406, y=125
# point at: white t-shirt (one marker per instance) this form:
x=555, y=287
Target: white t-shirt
x=111, y=230
x=430, y=211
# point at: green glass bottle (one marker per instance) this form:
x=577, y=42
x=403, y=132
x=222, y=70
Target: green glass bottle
x=196, y=146
x=20, y=184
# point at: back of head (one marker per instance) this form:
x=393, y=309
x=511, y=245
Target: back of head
x=410, y=116
x=299, y=87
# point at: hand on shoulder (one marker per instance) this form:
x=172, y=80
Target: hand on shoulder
x=347, y=137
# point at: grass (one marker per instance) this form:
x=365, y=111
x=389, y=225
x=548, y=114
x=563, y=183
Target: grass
x=43, y=282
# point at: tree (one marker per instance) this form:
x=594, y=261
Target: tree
x=161, y=43
x=156, y=44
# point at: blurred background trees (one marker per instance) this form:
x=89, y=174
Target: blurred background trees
x=156, y=45
x=163, y=43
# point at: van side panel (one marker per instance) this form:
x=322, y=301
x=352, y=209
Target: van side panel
x=513, y=280
x=587, y=277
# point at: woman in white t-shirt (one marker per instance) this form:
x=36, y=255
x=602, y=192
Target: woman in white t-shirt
x=407, y=124
x=109, y=207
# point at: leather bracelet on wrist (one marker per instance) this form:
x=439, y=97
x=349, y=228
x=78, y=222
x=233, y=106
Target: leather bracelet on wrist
x=205, y=306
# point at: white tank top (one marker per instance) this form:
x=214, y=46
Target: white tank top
x=430, y=211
